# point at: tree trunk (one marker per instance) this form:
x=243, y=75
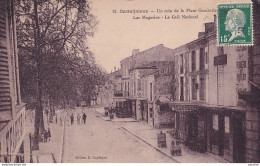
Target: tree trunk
x=39, y=121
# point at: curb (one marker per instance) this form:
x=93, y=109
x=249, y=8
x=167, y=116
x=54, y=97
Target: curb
x=102, y=116
x=159, y=150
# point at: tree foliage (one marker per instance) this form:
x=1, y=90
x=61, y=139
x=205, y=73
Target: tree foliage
x=54, y=59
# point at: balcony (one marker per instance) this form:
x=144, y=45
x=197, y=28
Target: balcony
x=118, y=94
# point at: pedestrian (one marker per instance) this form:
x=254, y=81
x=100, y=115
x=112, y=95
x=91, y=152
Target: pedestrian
x=60, y=121
x=45, y=134
x=71, y=119
x=78, y=118
x=84, y=118
x=49, y=133
x=56, y=116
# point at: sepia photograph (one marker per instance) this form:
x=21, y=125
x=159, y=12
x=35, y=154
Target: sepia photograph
x=129, y=81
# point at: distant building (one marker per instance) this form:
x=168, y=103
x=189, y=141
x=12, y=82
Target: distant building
x=141, y=94
x=160, y=94
x=12, y=110
x=133, y=68
x=111, y=92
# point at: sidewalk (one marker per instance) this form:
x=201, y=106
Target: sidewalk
x=148, y=134
x=50, y=151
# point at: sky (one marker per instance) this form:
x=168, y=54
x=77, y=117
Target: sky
x=117, y=34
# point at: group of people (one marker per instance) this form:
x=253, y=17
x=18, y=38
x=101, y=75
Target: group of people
x=84, y=117
x=47, y=135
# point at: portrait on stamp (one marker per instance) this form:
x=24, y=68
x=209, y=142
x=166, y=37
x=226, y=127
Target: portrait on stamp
x=234, y=24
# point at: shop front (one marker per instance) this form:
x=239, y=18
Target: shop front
x=186, y=122
x=225, y=133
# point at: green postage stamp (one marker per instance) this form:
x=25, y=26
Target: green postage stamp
x=235, y=24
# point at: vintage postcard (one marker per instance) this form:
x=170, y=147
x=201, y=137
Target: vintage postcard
x=129, y=81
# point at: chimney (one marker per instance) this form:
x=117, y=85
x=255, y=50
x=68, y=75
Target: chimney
x=215, y=22
x=135, y=51
x=114, y=68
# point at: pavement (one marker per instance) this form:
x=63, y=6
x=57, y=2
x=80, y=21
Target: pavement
x=100, y=141
x=148, y=135
x=50, y=151
x=53, y=150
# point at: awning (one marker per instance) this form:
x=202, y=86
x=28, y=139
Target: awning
x=184, y=106
x=163, y=99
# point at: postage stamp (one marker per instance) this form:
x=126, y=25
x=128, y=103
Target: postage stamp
x=235, y=24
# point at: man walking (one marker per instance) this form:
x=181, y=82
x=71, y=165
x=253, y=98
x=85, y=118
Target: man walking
x=71, y=119
x=84, y=118
x=78, y=119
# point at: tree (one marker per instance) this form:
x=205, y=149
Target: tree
x=51, y=35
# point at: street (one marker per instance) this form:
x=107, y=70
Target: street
x=105, y=141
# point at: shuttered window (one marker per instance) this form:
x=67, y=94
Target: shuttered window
x=5, y=96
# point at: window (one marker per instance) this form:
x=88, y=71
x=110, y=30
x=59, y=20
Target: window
x=215, y=132
x=142, y=87
x=202, y=58
x=226, y=135
x=127, y=88
x=151, y=91
x=182, y=90
x=134, y=88
x=207, y=58
x=227, y=127
x=181, y=64
x=215, y=122
x=194, y=89
x=202, y=89
x=151, y=112
x=193, y=61
x=139, y=84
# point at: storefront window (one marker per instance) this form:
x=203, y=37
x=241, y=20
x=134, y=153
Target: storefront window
x=214, y=134
x=215, y=122
x=227, y=124
x=226, y=135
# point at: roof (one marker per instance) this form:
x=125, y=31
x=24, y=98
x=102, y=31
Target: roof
x=152, y=54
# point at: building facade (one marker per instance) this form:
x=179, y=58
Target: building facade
x=12, y=110
x=251, y=96
x=208, y=94
x=134, y=68
x=210, y=85
x=111, y=92
x=161, y=93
